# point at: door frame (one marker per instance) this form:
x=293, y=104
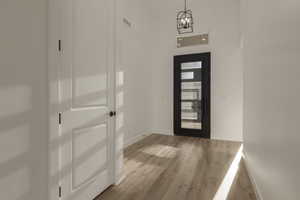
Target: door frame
x=206, y=94
x=53, y=30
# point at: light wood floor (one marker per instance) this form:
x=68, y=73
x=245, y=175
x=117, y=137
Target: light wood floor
x=179, y=168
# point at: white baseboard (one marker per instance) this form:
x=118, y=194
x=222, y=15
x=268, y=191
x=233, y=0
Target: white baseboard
x=252, y=180
x=120, y=179
x=162, y=132
x=169, y=132
x=226, y=139
x=139, y=137
x=135, y=139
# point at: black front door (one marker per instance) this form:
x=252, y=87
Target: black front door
x=192, y=95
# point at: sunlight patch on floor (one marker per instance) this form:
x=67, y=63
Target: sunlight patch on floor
x=170, y=152
x=226, y=184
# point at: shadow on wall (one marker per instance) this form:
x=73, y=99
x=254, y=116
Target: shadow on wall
x=23, y=103
x=93, y=150
x=23, y=130
x=23, y=100
x=24, y=139
x=120, y=122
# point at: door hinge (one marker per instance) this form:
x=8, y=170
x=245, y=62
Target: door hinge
x=59, y=118
x=59, y=192
x=59, y=45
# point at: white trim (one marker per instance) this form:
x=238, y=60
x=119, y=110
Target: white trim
x=162, y=132
x=252, y=180
x=119, y=181
x=226, y=139
x=54, y=99
x=53, y=64
x=135, y=139
x=112, y=95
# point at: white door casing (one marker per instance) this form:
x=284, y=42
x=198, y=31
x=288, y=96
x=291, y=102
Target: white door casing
x=86, y=92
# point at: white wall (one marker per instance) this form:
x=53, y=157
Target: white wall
x=145, y=64
x=272, y=96
x=221, y=20
x=23, y=100
x=133, y=80
x=24, y=94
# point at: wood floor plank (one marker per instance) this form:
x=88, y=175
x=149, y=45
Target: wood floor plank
x=242, y=187
x=163, y=167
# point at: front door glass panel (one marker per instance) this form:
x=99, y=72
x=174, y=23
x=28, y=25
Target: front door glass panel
x=191, y=95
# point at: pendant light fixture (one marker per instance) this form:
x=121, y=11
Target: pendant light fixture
x=185, y=20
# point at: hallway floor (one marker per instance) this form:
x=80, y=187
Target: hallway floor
x=182, y=168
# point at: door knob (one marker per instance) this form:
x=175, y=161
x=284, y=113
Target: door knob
x=112, y=113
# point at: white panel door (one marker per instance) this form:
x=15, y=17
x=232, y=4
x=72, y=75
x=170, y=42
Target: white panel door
x=86, y=93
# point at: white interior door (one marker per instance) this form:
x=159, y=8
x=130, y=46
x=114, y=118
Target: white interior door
x=86, y=92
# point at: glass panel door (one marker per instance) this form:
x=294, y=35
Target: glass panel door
x=192, y=95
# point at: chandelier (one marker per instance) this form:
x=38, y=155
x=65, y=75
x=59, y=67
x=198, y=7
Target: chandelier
x=185, y=21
